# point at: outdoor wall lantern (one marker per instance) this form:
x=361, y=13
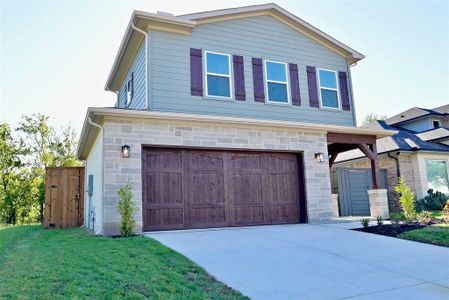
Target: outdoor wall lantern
x=125, y=151
x=319, y=157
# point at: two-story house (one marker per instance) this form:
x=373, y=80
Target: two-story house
x=418, y=152
x=223, y=118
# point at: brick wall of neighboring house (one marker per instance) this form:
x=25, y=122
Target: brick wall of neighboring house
x=119, y=171
x=385, y=162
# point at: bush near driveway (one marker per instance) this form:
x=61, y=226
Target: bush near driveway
x=69, y=263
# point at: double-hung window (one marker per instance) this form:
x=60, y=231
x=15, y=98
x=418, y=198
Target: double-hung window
x=329, y=94
x=218, y=75
x=276, y=82
x=437, y=178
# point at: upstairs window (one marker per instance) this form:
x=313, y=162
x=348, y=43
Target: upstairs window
x=129, y=89
x=218, y=75
x=329, y=95
x=276, y=82
x=436, y=124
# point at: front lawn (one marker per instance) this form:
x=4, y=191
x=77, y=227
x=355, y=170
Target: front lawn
x=47, y=264
x=436, y=234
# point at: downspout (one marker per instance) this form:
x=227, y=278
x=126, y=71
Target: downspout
x=398, y=171
x=146, y=63
x=89, y=119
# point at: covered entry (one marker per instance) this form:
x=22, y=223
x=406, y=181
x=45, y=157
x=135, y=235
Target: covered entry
x=352, y=185
x=190, y=188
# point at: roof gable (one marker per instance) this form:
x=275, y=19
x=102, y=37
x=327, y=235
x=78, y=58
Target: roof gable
x=185, y=23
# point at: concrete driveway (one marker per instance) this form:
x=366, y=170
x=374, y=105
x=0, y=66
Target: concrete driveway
x=315, y=262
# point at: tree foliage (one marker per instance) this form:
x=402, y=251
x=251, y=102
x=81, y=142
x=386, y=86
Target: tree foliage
x=24, y=155
x=373, y=117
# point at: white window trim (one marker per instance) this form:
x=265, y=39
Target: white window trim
x=329, y=89
x=287, y=82
x=231, y=92
x=425, y=169
x=439, y=123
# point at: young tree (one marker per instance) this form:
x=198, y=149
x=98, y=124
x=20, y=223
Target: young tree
x=373, y=117
x=11, y=154
x=47, y=149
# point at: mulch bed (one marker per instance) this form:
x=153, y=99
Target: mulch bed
x=390, y=230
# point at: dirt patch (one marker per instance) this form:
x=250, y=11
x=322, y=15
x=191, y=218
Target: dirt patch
x=390, y=230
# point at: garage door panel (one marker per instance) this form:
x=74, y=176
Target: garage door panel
x=163, y=159
x=207, y=216
x=249, y=215
x=287, y=213
x=209, y=188
x=204, y=161
x=163, y=188
x=204, y=188
x=164, y=218
x=246, y=189
x=245, y=161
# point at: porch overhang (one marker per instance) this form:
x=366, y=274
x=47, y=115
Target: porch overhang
x=342, y=142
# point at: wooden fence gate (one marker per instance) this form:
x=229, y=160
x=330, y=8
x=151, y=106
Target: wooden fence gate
x=64, y=197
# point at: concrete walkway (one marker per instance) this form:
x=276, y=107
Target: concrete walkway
x=315, y=262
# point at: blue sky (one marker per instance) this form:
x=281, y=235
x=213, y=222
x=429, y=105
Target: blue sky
x=55, y=56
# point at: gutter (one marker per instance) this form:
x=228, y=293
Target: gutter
x=146, y=63
x=398, y=170
x=89, y=119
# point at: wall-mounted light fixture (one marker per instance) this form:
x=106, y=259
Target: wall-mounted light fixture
x=319, y=157
x=126, y=151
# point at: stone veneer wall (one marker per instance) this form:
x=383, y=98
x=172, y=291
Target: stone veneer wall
x=385, y=162
x=118, y=171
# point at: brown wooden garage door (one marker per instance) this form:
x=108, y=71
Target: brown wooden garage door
x=201, y=188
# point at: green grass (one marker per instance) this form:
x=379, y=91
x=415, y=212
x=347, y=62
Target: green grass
x=436, y=234
x=69, y=263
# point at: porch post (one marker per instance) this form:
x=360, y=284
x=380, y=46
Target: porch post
x=374, y=166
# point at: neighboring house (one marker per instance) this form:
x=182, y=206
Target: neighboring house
x=227, y=117
x=419, y=151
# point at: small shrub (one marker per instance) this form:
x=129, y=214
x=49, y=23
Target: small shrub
x=365, y=222
x=432, y=201
x=446, y=208
x=395, y=218
x=380, y=220
x=407, y=200
x=424, y=217
x=126, y=209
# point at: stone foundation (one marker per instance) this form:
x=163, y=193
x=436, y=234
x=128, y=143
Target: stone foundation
x=335, y=208
x=378, y=203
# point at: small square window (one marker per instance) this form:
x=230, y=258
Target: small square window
x=328, y=89
x=437, y=178
x=218, y=75
x=436, y=124
x=276, y=82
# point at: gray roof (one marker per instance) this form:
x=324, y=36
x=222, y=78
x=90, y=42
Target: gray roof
x=417, y=112
x=403, y=140
x=434, y=134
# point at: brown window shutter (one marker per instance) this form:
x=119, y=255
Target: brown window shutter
x=313, y=88
x=259, y=93
x=294, y=84
x=344, y=94
x=196, y=72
